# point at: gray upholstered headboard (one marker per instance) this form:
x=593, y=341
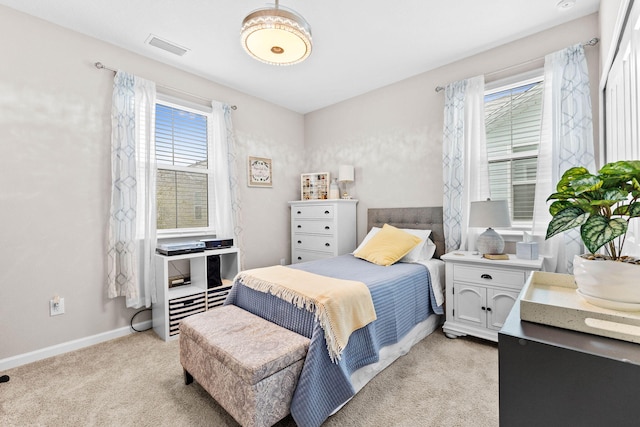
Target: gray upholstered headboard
x=428, y=218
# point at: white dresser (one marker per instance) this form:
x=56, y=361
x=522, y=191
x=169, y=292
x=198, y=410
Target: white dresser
x=322, y=228
x=481, y=292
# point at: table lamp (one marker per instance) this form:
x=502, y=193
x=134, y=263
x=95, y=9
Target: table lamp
x=489, y=213
x=345, y=175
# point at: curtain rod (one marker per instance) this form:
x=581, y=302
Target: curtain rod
x=594, y=41
x=101, y=66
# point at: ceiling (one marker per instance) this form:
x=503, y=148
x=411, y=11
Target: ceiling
x=358, y=45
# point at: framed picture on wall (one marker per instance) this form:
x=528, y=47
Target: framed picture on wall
x=260, y=172
x=314, y=186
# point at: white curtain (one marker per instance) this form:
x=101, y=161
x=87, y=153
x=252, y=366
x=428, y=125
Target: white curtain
x=132, y=220
x=225, y=179
x=465, y=166
x=566, y=141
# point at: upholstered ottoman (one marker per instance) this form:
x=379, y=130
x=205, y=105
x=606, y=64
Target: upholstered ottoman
x=249, y=365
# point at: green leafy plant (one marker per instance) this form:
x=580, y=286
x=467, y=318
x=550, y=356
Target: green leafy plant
x=601, y=205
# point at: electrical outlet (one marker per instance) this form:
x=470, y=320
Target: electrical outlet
x=56, y=306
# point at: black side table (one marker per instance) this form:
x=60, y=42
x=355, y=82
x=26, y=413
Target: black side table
x=557, y=377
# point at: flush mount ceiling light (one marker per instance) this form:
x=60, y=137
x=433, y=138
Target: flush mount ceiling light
x=276, y=36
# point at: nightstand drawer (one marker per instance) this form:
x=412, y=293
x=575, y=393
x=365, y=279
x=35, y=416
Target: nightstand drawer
x=489, y=275
x=316, y=227
x=313, y=243
x=309, y=212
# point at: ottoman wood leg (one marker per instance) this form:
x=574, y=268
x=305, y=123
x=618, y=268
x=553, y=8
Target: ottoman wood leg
x=188, y=378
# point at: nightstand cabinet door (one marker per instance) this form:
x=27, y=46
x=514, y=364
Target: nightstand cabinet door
x=481, y=306
x=322, y=229
x=500, y=302
x=470, y=304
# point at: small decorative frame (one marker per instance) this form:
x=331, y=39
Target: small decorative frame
x=314, y=186
x=260, y=172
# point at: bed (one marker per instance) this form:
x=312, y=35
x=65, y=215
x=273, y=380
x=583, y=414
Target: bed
x=408, y=302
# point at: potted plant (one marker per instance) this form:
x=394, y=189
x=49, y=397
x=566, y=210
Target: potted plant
x=602, y=206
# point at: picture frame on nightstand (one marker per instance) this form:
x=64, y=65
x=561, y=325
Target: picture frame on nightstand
x=314, y=186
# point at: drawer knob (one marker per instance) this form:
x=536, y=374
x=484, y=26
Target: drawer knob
x=486, y=276
x=327, y=244
x=299, y=226
x=326, y=212
x=299, y=258
x=299, y=212
x=299, y=242
x=326, y=227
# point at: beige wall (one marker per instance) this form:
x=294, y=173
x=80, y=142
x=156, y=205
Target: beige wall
x=54, y=167
x=55, y=178
x=393, y=135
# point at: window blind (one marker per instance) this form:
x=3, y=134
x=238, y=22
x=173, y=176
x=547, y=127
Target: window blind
x=512, y=121
x=182, y=178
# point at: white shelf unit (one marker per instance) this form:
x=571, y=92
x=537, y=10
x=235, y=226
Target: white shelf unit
x=175, y=303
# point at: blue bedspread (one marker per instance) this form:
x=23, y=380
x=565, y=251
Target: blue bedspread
x=402, y=297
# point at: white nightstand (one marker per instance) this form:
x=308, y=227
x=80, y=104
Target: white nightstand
x=480, y=292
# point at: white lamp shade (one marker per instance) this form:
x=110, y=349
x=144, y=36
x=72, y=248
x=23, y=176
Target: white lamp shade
x=489, y=213
x=346, y=173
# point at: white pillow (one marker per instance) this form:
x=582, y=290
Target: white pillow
x=423, y=251
x=416, y=253
x=370, y=234
x=428, y=250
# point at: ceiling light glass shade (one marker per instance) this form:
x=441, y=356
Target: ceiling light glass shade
x=276, y=36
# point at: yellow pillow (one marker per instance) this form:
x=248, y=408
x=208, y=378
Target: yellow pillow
x=388, y=246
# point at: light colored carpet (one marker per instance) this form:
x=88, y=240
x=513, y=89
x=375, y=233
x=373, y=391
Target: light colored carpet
x=137, y=381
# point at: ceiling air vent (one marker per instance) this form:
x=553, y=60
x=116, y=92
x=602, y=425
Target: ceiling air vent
x=166, y=45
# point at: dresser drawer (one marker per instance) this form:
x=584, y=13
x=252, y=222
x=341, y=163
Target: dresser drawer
x=313, y=243
x=311, y=212
x=489, y=275
x=304, y=256
x=315, y=227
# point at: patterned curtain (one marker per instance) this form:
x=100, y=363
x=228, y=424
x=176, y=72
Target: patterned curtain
x=464, y=158
x=132, y=220
x=566, y=141
x=225, y=181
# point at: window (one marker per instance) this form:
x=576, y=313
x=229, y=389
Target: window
x=513, y=117
x=184, y=175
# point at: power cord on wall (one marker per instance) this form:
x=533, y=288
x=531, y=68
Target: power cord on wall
x=134, y=316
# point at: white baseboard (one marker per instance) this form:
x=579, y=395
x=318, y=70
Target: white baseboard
x=34, y=356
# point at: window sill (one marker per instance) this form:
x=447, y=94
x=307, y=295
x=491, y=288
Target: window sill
x=171, y=235
x=512, y=235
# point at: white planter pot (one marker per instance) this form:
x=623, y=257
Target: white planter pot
x=608, y=284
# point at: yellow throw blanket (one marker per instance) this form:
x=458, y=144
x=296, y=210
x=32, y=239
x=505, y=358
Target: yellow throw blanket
x=341, y=306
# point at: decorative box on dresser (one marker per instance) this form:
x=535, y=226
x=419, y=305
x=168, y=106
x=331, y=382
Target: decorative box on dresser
x=481, y=292
x=322, y=228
